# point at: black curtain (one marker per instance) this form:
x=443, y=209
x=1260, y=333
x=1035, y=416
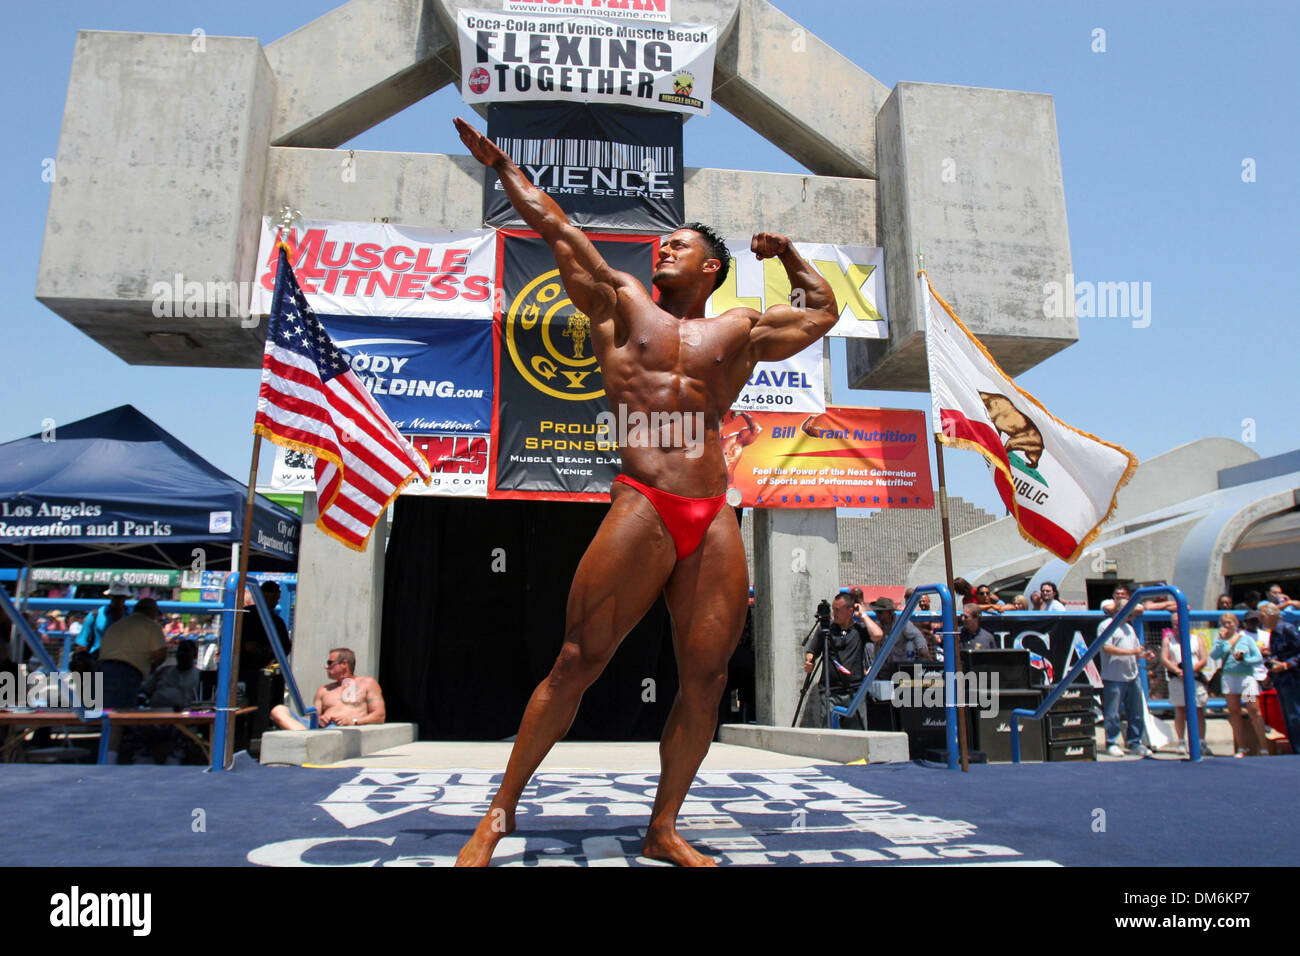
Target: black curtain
x=463, y=645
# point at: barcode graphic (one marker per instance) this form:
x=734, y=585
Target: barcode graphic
x=588, y=152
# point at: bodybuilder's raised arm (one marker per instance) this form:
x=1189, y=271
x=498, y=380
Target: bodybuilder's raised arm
x=785, y=330
x=590, y=282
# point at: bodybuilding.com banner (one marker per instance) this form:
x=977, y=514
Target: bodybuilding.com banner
x=380, y=269
x=547, y=441
x=606, y=166
x=654, y=66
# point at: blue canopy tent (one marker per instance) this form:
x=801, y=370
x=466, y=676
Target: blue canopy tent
x=118, y=488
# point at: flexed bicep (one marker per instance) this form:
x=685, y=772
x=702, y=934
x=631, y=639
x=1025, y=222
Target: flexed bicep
x=787, y=329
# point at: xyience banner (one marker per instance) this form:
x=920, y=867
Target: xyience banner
x=546, y=440
x=381, y=269
x=606, y=166
x=654, y=66
x=841, y=458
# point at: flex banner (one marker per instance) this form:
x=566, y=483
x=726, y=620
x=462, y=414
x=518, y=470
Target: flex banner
x=606, y=166
x=546, y=440
x=380, y=269
x=856, y=275
x=588, y=59
x=841, y=458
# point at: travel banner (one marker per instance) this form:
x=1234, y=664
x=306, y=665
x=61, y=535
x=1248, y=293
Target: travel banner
x=842, y=458
x=547, y=441
x=653, y=66
x=381, y=269
x=607, y=166
x=634, y=9
x=795, y=385
x=856, y=275
x=428, y=375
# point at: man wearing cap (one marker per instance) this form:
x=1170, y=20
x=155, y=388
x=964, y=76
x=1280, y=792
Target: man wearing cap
x=97, y=625
x=851, y=653
x=911, y=644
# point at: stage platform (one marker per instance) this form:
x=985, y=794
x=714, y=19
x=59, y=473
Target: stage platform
x=590, y=804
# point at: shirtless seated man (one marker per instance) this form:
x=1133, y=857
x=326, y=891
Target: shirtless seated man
x=666, y=530
x=346, y=701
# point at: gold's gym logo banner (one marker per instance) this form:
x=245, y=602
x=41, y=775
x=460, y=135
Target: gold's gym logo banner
x=548, y=438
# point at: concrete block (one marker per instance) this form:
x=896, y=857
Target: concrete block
x=298, y=747
x=836, y=746
x=804, y=208
x=340, y=600
x=159, y=172
x=798, y=92
x=796, y=564
x=365, y=740
x=973, y=177
x=415, y=189
x=356, y=66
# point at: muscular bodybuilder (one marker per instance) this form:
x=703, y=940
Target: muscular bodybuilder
x=666, y=530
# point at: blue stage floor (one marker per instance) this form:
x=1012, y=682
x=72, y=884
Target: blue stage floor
x=1132, y=813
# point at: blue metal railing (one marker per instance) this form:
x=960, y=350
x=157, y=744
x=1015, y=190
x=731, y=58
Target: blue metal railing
x=225, y=607
x=949, y=664
x=1120, y=616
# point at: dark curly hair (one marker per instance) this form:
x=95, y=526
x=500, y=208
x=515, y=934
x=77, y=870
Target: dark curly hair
x=717, y=249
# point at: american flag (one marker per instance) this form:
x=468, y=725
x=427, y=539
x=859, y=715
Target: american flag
x=312, y=401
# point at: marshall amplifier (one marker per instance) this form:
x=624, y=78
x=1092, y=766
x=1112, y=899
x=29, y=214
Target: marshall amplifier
x=1069, y=725
x=995, y=727
x=927, y=728
x=1078, y=696
x=1011, y=667
x=1080, y=749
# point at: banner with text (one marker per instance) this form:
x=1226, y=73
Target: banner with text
x=607, y=166
x=656, y=66
x=459, y=464
x=841, y=458
x=381, y=269
x=796, y=385
x=634, y=9
x=428, y=375
x=855, y=274
x=546, y=440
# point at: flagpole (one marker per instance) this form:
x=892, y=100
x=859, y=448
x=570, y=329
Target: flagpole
x=922, y=279
x=232, y=697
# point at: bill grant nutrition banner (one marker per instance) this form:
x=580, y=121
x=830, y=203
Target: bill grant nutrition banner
x=606, y=166
x=654, y=66
x=549, y=389
x=841, y=458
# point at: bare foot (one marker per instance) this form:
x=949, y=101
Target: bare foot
x=668, y=845
x=477, y=851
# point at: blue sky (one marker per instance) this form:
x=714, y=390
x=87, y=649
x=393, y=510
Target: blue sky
x=1153, y=133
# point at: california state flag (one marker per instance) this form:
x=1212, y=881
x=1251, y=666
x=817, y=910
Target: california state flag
x=1059, y=482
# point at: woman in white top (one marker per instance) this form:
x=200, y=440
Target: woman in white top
x=1171, y=655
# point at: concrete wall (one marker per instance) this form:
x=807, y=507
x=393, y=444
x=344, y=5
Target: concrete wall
x=159, y=171
x=973, y=177
x=340, y=601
